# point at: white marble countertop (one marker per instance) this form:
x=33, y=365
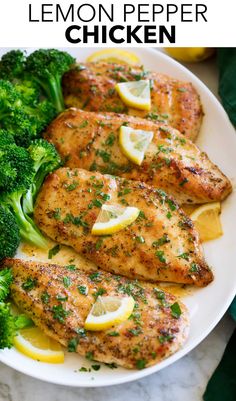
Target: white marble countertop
x=184, y=380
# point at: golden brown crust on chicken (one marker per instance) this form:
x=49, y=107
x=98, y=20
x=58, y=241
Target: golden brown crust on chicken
x=173, y=163
x=150, y=335
x=90, y=86
x=161, y=245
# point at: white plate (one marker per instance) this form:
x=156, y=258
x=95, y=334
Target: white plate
x=206, y=305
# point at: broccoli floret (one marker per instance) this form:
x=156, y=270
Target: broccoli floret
x=46, y=159
x=9, y=235
x=46, y=67
x=12, y=195
x=12, y=65
x=9, y=324
x=6, y=279
x=8, y=328
x=6, y=139
x=22, y=113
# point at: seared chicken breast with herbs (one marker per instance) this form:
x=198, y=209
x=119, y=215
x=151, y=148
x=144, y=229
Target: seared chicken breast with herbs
x=173, y=163
x=160, y=245
x=60, y=298
x=91, y=86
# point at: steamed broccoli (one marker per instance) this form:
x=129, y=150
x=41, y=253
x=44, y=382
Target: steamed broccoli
x=5, y=282
x=22, y=113
x=12, y=65
x=46, y=159
x=9, y=324
x=9, y=234
x=14, y=188
x=46, y=67
x=6, y=138
x=22, y=173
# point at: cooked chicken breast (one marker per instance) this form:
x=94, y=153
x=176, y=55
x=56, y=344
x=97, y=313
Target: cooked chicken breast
x=152, y=333
x=161, y=245
x=172, y=162
x=90, y=86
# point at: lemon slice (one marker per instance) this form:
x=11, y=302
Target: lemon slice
x=109, y=311
x=207, y=221
x=135, y=94
x=113, y=218
x=134, y=143
x=114, y=56
x=33, y=343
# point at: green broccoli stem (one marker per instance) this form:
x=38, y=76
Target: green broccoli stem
x=28, y=230
x=52, y=87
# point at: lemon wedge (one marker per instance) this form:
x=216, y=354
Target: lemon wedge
x=33, y=343
x=207, y=221
x=109, y=311
x=113, y=218
x=135, y=93
x=134, y=143
x=190, y=54
x=114, y=56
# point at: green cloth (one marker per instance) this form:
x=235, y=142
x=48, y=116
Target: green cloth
x=222, y=384
x=227, y=80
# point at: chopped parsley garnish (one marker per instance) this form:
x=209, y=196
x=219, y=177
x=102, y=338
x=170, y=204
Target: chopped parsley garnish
x=81, y=332
x=181, y=89
x=67, y=281
x=166, y=338
x=72, y=344
x=57, y=213
x=193, y=268
x=71, y=268
x=53, y=251
x=135, y=332
x=104, y=155
x=84, y=124
x=141, y=363
x=29, y=284
x=175, y=310
x=184, y=256
x=89, y=355
x=82, y=289
x=110, y=139
x=96, y=276
x=169, y=215
x=62, y=298
x=124, y=192
x=99, y=292
x=113, y=334
x=111, y=365
x=161, y=241
x=160, y=255
x=96, y=367
x=140, y=239
x=159, y=293
x=59, y=313
x=183, y=182
x=71, y=187
x=45, y=297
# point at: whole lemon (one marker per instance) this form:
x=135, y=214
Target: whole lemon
x=190, y=54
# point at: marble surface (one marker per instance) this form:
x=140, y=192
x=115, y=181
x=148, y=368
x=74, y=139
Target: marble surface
x=185, y=380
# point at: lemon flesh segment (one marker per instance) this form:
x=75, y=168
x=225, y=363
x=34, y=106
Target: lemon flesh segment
x=114, y=56
x=134, y=143
x=108, y=312
x=113, y=218
x=135, y=93
x=207, y=221
x=33, y=343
